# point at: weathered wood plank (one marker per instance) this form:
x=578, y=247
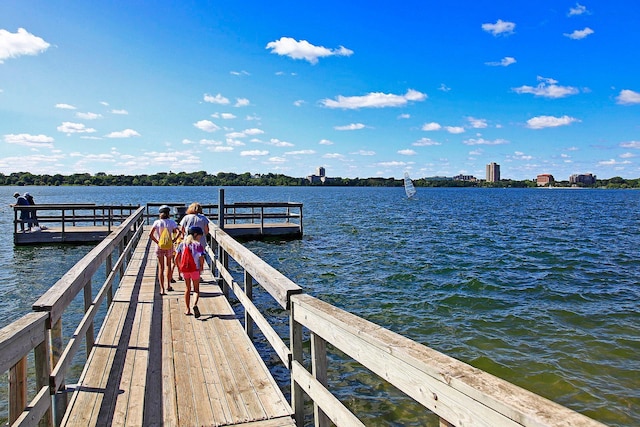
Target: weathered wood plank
x=20, y=337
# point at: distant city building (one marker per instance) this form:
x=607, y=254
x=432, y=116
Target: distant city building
x=438, y=178
x=493, y=172
x=470, y=178
x=319, y=177
x=585, y=179
x=545, y=179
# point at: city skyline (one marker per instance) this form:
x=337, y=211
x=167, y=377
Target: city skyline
x=436, y=90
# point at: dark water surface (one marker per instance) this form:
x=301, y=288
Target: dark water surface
x=537, y=286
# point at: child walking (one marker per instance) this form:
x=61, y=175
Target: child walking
x=190, y=263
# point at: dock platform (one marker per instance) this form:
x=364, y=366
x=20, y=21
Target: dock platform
x=154, y=365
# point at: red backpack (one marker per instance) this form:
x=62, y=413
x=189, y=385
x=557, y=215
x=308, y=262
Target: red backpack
x=187, y=263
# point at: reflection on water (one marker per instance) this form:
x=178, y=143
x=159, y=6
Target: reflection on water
x=538, y=287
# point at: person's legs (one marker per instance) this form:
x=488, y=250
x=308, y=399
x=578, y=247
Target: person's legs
x=187, y=293
x=161, y=272
x=169, y=270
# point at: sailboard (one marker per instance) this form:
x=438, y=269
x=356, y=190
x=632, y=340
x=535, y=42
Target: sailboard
x=408, y=186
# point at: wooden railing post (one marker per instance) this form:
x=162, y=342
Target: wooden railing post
x=248, y=290
x=108, y=268
x=57, y=347
x=43, y=370
x=261, y=220
x=297, y=394
x=319, y=371
x=17, y=389
x=88, y=300
x=221, y=208
x=224, y=259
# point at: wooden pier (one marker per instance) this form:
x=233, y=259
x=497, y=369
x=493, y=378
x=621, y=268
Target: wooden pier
x=152, y=365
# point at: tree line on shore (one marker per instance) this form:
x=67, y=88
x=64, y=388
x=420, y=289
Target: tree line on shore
x=221, y=179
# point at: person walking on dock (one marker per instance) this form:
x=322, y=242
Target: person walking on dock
x=163, y=233
x=190, y=256
x=195, y=218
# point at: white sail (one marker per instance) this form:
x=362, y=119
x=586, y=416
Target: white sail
x=408, y=186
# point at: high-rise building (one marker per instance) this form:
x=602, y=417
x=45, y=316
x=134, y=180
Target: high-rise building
x=321, y=171
x=493, y=172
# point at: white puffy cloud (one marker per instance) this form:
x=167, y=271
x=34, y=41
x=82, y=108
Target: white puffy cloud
x=302, y=49
x=613, y=162
x=207, y=126
x=352, y=126
x=299, y=152
x=542, y=122
x=254, y=153
x=407, y=152
x=127, y=133
x=578, y=10
x=325, y=142
x=217, y=99
x=28, y=140
x=504, y=62
x=431, y=126
x=242, y=102
x=276, y=142
x=65, y=107
x=477, y=123
x=482, y=141
x=220, y=149
x=88, y=116
x=364, y=153
x=547, y=88
x=374, y=100
x=69, y=127
x=337, y=156
x=225, y=116
x=424, y=142
x=454, y=129
x=630, y=144
x=120, y=112
x=393, y=164
x=579, y=34
x=20, y=43
x=628, y=97
x=500, y=27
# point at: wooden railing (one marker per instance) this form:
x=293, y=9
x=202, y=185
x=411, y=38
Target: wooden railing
x=36, y=330
x=72, y=214
x=456, y=392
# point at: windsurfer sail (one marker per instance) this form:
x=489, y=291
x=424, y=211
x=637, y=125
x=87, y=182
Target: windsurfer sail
x=408, y=186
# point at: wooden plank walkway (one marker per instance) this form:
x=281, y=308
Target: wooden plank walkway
x=153, y=365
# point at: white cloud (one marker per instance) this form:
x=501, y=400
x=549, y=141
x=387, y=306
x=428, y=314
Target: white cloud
x=242, y=102
x=352, y=126
x=302, y=49
x=431, y=126
x=613, y=162
x=276, y=142
x=20, y=43
x=477, y=123
x=579, y=34
x=482, y=141
x=578, y=10
x=628, y=97
x=364, y=153
x=392, y=164
x=69, y=127
x=28, y=140
x=254, y=153
x=500, y=27
x=207, y=126
x=221, y=149
x=541, y=122
x=65, y=107
x=325, y=142
x=298, y=103
x=120, y=112
x=218, y=99
x=245, y=133
x=374, y=100
x=547, y=88
x=444, y=88
x=454, y=129
x=504, y=62
x=299, y=152
x=404, y=116
x=630, y=144
x=127, y=133
x=88, y=116
x=333, y=156
x=627, y=155
x=424, y=142
x=407, y=152
x=239, y=73
x=519, y=155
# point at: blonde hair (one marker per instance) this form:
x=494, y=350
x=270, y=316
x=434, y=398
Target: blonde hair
x=194, y=208
x=189, y=239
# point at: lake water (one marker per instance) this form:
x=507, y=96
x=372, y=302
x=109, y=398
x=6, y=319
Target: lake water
x=537, y=286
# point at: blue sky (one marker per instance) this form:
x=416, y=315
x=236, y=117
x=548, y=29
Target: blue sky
x=363, y=89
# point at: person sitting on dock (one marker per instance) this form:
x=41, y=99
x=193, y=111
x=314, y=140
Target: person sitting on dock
x=162, y=233
x=191, y=262
x=25, y=215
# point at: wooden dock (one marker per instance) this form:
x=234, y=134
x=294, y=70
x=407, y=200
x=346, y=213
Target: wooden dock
x=153, y=365
x=150, y=364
